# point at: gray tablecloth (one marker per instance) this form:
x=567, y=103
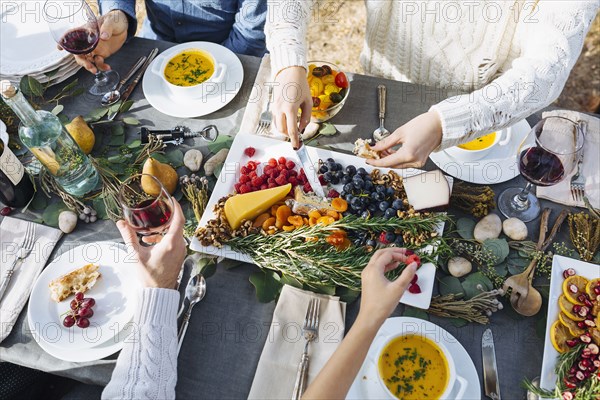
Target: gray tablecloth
x=229, y=327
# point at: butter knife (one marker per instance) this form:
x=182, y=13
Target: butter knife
x=133, y=84
x=490, y=370
x=309, y=169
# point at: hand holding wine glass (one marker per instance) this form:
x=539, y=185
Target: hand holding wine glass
x=553, y=156
x=75, y=28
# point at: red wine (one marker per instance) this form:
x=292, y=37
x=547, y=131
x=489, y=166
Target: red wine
x=541, y=167
x=150, y=215
x=16, y=188
x=79, y=41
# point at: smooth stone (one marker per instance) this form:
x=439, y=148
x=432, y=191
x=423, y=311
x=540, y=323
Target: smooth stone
x=459, y=266
x=67, y=221
x=193, y=160
x=515, y=229
x=489, y=227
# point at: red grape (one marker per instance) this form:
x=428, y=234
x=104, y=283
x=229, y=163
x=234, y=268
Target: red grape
x=69, y=321
x=74, y=304
x=5, y=211
x=78, y=296
x=89, y=302
x=86, y=312
x=83, y=322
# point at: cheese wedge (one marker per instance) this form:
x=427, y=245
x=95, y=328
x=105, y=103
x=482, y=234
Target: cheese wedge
x=79, y=280
x=248, y=206
x=303, y=203
x=428, y=191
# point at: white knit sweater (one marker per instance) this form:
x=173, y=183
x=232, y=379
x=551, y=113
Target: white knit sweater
x=512, y=57
x=147, y=365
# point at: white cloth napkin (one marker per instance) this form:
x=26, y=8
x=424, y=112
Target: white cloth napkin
x=278, y=364
x=561, y=192
x=12, y=233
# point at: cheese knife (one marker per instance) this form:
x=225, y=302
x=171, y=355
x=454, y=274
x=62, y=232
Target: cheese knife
x=309, y=169
x=490, y=370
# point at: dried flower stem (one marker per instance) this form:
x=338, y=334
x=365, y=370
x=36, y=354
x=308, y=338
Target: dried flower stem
x=476, y=200
x=476, y=309
x=584, y=230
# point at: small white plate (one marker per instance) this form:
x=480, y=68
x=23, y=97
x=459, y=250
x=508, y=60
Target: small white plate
x=115, y=293
x=367, y=386
x=267, y=148
x=499, y=166
x=159, y=96
x=559, y=264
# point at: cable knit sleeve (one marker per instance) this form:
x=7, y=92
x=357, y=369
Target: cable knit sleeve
x=147, y=365
x=551, y=40
x=286, y=29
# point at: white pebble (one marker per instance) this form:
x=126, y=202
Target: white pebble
x=515, y=229
x=67, y=221
x=193, y=160
x=459, y=266
x=489, y=227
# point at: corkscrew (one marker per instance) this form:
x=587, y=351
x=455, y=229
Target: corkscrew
x=177, y=135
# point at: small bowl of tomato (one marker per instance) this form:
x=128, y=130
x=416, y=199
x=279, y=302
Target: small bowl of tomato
x=329, y=89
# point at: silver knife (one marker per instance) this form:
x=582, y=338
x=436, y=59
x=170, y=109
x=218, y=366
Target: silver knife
x=310, y=170
x=134, y=83
x=490, y=370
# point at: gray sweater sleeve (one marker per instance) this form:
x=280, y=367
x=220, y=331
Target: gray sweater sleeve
x=147, y=365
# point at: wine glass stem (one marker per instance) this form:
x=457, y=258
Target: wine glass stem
x=521, y=200
x=99, y=75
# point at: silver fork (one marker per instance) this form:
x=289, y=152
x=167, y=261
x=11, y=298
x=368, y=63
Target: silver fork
x=310, y=330
x=264, y=123
x=23, y=252
x=578, y=182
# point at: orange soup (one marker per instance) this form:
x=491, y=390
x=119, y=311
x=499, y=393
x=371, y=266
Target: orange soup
x=414, y=368
x=480, y=143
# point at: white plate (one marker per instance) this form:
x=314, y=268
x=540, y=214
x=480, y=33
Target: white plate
x=559, y=264
x=499, y=166
x=366, y=384
x=159, y=96
x=115, y=293
x=267, y=148
x=26, y=42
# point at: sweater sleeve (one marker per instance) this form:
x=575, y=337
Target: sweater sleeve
x=551, y=40
x=285, y=30
x=127, y=6
x=147, y=365
x=247, y=34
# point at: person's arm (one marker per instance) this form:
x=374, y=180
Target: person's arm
x=247, y=34
x=286, y=29
x=379, y=299
x=147, y=365
x=551, y=39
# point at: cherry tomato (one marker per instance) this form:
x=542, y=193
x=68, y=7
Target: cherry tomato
x=341, y=80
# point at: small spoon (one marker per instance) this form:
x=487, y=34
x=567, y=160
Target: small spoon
x=524, y=298
x=194, y=292
x=381, y=133
x=113, y=96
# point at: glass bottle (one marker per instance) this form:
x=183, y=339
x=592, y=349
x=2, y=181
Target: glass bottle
x=44, y=135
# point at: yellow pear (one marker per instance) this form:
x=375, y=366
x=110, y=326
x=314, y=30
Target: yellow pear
x=163, y=172
x=82, y=134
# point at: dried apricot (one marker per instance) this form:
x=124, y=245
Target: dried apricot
x=314, y=214
x=345, y=245
x=295, y=220
x=339, y=204
x=335, y=239
x=288, y=228
x=326, y=220
x=268, y=223
x=274, y=210
x=260, y=220
x=334, y=214
x=312, y=221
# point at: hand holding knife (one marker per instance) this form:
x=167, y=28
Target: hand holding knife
x=309, y=169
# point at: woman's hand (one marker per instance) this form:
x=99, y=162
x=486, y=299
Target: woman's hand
x=113, y=33
x=418, y=138
x=380, y=296
x=158, y=266
x=291, y=93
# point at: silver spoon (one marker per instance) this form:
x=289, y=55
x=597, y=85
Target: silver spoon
x=381, y=133
x=194, y=292
x=113, y=96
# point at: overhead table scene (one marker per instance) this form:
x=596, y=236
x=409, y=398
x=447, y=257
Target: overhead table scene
x=501, y=301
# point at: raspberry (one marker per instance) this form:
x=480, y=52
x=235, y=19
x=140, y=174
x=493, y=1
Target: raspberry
x=281, y=167
x=290, y=164
x=414, y=279
x=414, y=288
x=285, y=173
x=409, y=252
x=271, y=180
x=302, y=179
x=237, y=187
x=253, y=174
x=272, y=185
x=244, y=170
x=267, y=168
x=322, y=180
x=245, y=189
x=282, y=160
x=281, y=180
x=414, y=258
x=244, y=179
x=293, y=180
x=307, y=188
x=250, y=151
x=272, y=172
x=382, y=238
x=293, y=172
x=251, y=165
x=264, y=186
x=272, y=162
x=257, y=181
x=302, y=173
x=333, y=194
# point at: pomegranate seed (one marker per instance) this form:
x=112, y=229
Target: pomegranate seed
x=414, y=279
x=245, y=188
x=582, y=298
x=244, y=170
x=307, y=187
x=594, y=349
x=264, y=186
x=584, y=364
x=576, y=308
x=572, y=343
x=588, y=303
x=414, y=288
x=272, y=162
x=597, y=364
x=573, y=288
x=250, y=151
x=5, y=211
x=597, y=290
x=570, y=272
x=322, y=180
x=581, y=325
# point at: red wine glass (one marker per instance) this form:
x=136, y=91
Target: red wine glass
x=551, y=158
x=75, y=28
x=148, y=214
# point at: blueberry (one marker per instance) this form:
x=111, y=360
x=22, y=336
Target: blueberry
x=349, y=197
x=398, y=205
x=367, y=177
x=390, y=191
x=351, y=170
x=372, y=208
x=346, y=178
x=380, y=189
x=339, y=174
x=355, y=203
x=361, y=171
x=338, y=167
x=323, y=169
x=358, y=183
x=384, y=205
x=330, y=160
x=365, y=214
x=399, y=241
x=368, y=185
x=343, y=194
x=371, y=243
x=328, y=176
x=390, y=237
x=374, y=196
x=348, y=187
x=390, y=213
x=334, y=180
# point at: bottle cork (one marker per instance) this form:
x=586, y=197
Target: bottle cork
x=8, y=89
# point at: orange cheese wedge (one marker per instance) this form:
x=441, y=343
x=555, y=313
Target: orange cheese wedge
x=248, y=206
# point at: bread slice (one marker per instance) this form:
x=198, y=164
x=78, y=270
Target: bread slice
x=79, y=280
x=363, y=149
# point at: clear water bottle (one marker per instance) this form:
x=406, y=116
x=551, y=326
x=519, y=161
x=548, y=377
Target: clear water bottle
x=51, y=144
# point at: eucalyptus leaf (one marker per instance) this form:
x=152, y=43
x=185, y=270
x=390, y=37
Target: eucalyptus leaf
x=115, y=107
x=501, y=270
x=96, y=114
x=324, y=289
x=519, y=261
x=126, y=106
x=70, y=86
x=100, y=208
x=415, y=313
x=77, y=92
x=131, y=121
x=514, y=269
x=117, y=158
x=347, y=295
x=160, y=158
x=117, y=140
x=472, y=281
x=206, y=266
x=58, y=109
x=31, y=86
x=222, y=142
x=450, y=285
x=267, y=284
x=175, y=158
x=178, y=195
x=117, y=129
x=288, y=279
x=50, y=215
x=63, y=119
x=465, y=228
x=50, y=74
x=458, y=322
x=229, y=264
x=498, y=247
x=327, y=129
x=135, y=144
